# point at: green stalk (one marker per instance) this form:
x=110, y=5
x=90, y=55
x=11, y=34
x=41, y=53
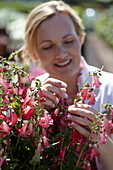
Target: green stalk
x=82, y=152
x=86, y=141
x=17, y=142
x=62, y=144
x=85, y=82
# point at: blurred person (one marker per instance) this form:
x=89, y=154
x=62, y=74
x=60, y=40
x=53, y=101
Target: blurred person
x=54, y=36
x=4, y=40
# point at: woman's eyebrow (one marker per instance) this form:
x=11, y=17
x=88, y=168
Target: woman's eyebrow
x=43, y=41
x=67, y=35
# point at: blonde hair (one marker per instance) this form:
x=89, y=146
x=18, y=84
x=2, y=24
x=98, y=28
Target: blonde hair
x=41, y=13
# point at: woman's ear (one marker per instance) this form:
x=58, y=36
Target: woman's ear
x=81, y=40
x=81, y=64
x=35, y=56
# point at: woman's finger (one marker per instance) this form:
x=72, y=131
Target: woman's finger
x=56, y=82
x=49, y=95
x=85, y=106
x=82, y=112
x=81, y=120
x=49, y=103
x=80, y=129
x=56, y=90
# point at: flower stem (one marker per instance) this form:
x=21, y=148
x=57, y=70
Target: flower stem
x=82, y=152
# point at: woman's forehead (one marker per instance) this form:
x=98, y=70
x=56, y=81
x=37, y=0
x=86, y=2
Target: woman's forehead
x=60, y=24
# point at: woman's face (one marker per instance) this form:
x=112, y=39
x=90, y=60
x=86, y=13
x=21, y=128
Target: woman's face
x=58, y=46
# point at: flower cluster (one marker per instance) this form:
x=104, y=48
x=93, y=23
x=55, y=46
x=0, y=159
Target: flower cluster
x=33, y=138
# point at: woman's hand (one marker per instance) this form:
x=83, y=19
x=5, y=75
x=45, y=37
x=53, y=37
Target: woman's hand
x=53, y=90
x=83, y=116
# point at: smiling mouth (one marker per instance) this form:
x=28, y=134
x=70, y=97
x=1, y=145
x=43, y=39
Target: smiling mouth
x=63, y=64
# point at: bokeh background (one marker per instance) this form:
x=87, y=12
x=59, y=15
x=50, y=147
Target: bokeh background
x=97, y=16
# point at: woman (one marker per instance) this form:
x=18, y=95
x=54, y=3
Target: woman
x=54, y=36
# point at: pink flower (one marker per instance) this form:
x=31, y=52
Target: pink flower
x=35, y=71
x=93, y=153
x=0, y=162
x=96, y=82
x=86, y=165
x=56, y=111
x=75, y=137
x=62, y=153
x=42, y=99
x=84, y=93
x=14, y=119
x=46, y=120
x=45, y=140
x=4, y=84
x=29, y=100
x=103, y=138
x=24, y=92
x=30, y=128
x=1, y=152
x=91, y=98
x=2, y=158
x=108, y=125
x=23, y=131
x=6, y=100
x=63, y=102
x=4, y=128
x=28, y=112
x=39, y=147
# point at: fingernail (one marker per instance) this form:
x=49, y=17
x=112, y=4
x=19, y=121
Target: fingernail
x=57, y=100
x=65, y=95
x=53, y=105
x=69, y=116
x=70, y=109
x=73, y=124
x=64, y=84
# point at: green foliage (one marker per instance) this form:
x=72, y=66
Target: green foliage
x=21, y=6
x=104, y=25
x=78, y=9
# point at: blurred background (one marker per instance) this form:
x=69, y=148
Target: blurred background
x=97, y=17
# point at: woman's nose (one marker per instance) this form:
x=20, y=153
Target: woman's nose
x=60, y=51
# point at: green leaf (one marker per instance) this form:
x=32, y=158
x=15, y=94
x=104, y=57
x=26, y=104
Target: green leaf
x=36, y=158
x=5, y=167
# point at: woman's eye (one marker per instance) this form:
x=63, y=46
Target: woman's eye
x=47, y=48
x=68, y=42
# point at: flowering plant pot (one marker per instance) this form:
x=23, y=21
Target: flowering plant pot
x=33, y=138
